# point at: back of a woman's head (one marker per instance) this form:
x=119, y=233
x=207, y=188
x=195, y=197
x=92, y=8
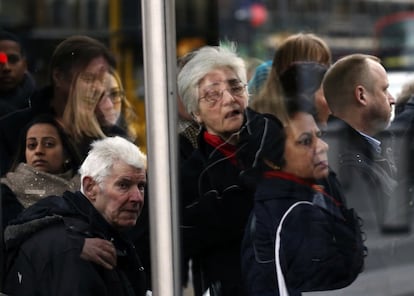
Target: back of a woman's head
x=298, y=47
x=301, y=47
x=302, y=78
x=76, y=52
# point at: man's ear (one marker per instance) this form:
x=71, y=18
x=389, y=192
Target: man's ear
x=90, y=188
x=360, y=95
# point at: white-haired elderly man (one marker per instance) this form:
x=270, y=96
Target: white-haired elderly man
x=43, y=254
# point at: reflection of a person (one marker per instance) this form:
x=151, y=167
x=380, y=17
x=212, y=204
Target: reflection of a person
x=114, y=113
x=109, y=107
x=80, y=118
x=71, y=57
x=297, y=47
x=296, y=239
x=305, y=79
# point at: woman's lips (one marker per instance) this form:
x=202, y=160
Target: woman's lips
x=322, y=163
x=233, y=113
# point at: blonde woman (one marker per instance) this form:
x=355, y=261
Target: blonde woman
x=114, y=111
x=80, y=120
x=297, y=47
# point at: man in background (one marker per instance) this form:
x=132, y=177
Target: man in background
x=16, y=83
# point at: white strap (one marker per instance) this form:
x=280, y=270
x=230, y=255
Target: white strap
x=280, y=278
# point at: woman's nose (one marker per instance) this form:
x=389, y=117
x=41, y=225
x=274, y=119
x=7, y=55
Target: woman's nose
x=39, y=149
x=322, y=146
x=107, y=101
x=227, y=96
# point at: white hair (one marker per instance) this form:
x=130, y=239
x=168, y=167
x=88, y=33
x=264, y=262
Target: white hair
x=203, y=61
x=105, y=153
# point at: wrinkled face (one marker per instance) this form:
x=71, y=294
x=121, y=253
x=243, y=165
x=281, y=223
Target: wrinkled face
x=11, y=73
x=305, y=151
x=108, y=109
x=120, y=197
x=222, y=100
x=44, y=150
x=379, y=99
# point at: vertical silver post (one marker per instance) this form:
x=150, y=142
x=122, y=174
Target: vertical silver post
x=158, y=26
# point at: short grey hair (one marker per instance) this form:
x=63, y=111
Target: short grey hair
x=105, y=153
x=202, y=62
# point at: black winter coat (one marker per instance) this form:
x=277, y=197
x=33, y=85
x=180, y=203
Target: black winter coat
x=19, y=97
x=43, y=252
x=215, y=208
x=320, y=241
x=367, y=176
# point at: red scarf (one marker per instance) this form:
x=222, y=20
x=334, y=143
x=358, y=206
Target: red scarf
x=227, y=149
x=296, y=179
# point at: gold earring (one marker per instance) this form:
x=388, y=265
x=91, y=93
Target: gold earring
x=272, y=165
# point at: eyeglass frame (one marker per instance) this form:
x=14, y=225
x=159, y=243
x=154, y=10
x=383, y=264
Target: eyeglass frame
x=213, y=102
x=120, y=95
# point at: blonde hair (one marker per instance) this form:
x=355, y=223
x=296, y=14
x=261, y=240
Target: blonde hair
x=79, y=117
x=128, y=115
x=297, y=47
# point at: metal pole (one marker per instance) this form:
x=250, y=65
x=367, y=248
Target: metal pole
x=158, y=26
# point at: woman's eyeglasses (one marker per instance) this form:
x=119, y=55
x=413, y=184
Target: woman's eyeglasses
x=115, y=96
x=213, y=96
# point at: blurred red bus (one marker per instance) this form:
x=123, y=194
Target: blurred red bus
x=394, y=36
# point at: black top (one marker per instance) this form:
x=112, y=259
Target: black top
x=43, y=252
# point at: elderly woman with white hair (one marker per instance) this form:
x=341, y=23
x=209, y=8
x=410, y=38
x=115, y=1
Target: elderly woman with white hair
x=215, y=204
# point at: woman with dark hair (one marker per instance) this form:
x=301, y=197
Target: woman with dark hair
x=46, y=163
x=300, y=236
